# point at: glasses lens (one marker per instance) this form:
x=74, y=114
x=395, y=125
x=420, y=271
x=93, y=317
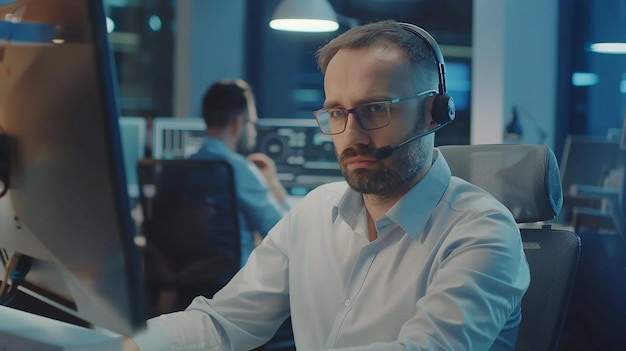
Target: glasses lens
x=374, y=115
x=323, y=120
x=331, y=121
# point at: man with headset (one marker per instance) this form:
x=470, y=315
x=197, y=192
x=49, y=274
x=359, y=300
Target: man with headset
x=401, y=255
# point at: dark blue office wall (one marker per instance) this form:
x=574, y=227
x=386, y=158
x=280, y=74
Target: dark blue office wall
x=596, y=108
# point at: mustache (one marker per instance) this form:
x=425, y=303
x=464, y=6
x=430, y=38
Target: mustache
x=359, y=150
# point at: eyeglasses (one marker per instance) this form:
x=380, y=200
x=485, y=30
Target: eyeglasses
x=369, y=116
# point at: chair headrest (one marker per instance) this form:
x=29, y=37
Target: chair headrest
x=525, y=178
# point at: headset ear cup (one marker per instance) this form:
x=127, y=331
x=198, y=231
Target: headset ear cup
x=444, y=109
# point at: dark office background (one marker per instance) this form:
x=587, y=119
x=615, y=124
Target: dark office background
x=280, y=66
x=589, y=100
x=282, y=70
x=288, y=58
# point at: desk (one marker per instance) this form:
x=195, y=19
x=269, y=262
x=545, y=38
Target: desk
x=23, y=331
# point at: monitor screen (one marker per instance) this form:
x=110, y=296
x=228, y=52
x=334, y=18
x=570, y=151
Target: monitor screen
x=66, y=205
x=458, y=82
x=133, y=133
x=305, y=158
x=176, y=138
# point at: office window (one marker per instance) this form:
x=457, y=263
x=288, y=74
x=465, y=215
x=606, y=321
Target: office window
x=141, y=36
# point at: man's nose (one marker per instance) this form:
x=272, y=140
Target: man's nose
x=354, y=133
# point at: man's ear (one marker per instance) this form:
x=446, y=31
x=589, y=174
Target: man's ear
x=237, y=125
x=428, y=112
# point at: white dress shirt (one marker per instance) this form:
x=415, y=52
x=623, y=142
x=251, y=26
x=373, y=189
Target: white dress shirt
x=446, y=272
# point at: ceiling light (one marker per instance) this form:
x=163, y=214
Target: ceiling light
x=584, y=79
x=608, y=48
x=304, y=16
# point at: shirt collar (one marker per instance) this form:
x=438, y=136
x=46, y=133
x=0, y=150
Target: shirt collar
x=413, y=210
x=214, y=145
x=348, y=207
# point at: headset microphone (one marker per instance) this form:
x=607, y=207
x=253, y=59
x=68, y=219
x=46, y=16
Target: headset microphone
x=386, y=151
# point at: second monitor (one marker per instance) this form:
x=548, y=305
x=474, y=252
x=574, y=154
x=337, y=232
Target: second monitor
x=304, y=157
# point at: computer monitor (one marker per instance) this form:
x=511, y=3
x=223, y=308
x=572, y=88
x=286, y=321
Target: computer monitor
x=176, y=138
x=305, y=158
x=66, y=205
x=133, y=133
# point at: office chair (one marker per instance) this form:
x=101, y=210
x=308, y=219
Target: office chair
x=597, y=314
x=592, y=174
x=611, y=198
x=191, y=230
x=525, y=178
x=607, y=217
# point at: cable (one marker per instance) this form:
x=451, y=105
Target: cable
x=5, y=162
x=16, y=270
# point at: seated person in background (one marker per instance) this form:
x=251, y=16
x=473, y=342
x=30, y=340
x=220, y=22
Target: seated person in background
x=229, y=111
x=401, y=256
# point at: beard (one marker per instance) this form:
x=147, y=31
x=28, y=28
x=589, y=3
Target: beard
x=395, y=173
x=245, y=143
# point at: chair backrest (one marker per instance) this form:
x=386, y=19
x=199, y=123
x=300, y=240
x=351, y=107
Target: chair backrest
x=525, y=178
x=190, y=225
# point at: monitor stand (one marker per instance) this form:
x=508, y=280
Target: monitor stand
x=24, y=331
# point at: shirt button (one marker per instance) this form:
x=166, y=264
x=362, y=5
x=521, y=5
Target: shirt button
x=347, y=302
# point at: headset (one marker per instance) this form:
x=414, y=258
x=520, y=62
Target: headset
x=443, y=110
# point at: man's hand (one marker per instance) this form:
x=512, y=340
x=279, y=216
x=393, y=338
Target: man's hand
x=128, y=344
x=268, y=170
x=265, y=164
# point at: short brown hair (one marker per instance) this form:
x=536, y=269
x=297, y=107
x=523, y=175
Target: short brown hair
x=225, y=100
x=417, y=50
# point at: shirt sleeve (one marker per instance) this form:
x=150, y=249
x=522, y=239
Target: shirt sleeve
x=256, y=201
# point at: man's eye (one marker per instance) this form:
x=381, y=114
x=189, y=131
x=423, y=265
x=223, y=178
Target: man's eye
x=376, y=108
x=335, y=113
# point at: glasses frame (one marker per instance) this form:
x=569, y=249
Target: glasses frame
x=346, y=112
